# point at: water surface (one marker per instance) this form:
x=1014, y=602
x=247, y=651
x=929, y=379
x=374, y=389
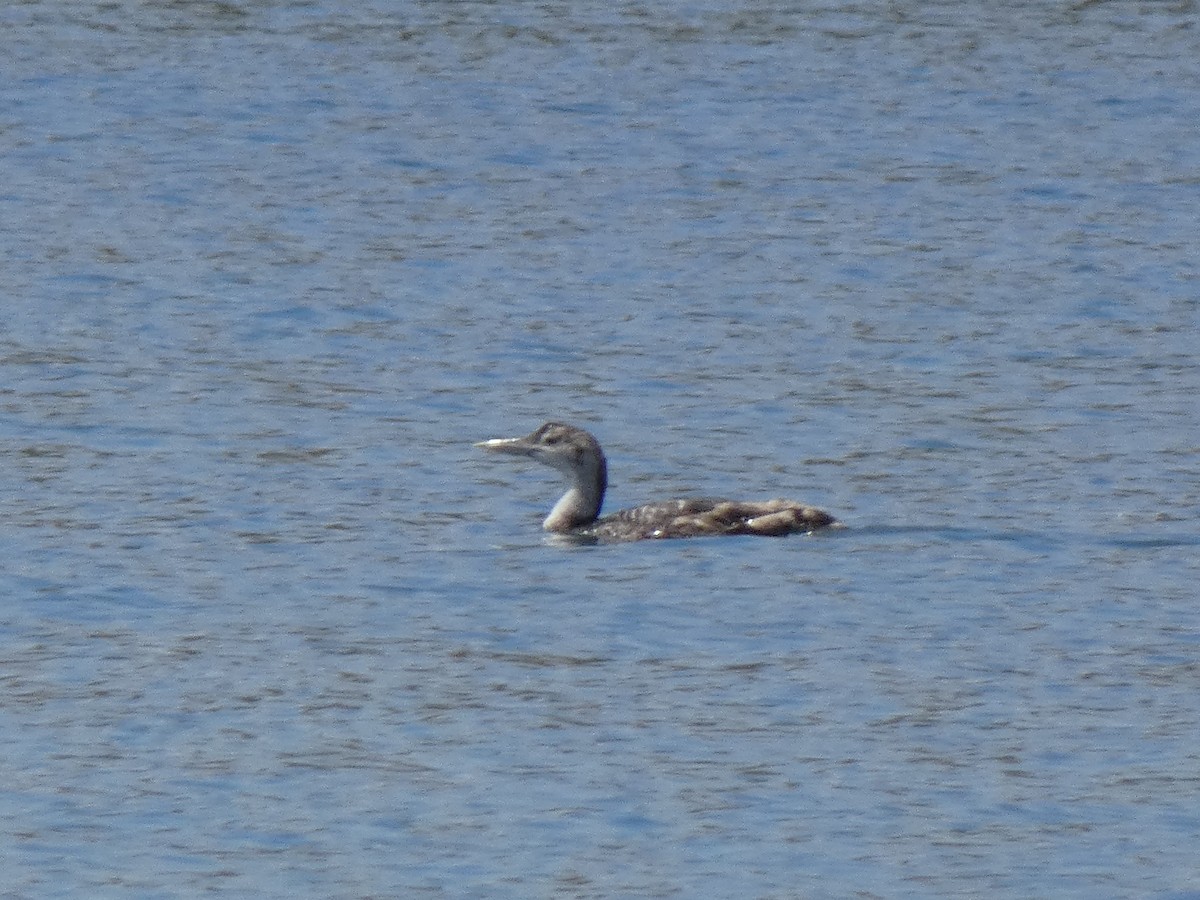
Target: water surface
x=272, y=626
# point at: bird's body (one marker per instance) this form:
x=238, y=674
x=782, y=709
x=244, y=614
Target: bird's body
x=577, y=454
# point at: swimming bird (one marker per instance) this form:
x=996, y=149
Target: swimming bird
x=577, y=454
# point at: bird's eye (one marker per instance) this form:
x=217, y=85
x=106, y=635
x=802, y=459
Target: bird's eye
x=553, y=439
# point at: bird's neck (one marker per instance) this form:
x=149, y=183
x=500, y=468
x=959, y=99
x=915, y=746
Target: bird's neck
x=580, y=505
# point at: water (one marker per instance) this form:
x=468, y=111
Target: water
x=273, y=627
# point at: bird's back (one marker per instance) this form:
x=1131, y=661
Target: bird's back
x=697, y=517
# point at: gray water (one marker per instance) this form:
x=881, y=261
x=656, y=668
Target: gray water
x=272, y=627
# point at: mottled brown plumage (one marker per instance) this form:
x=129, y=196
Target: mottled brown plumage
x=577, y=455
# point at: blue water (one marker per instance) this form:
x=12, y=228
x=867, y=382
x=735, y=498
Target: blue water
x=272, y=626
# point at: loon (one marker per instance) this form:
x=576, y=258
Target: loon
x=577, y=454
